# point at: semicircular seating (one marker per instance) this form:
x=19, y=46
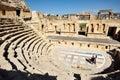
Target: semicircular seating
x=20, y=47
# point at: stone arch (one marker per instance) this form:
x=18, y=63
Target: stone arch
x=103, y=28
x=42, y=27
x=72, y=43
x=55, y=27
x=92, y=28
x=73, y=27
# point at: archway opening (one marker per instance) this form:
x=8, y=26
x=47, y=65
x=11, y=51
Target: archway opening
x=112, y=31
x=18, y=12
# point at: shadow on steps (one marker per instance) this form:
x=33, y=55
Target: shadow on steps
x=18, y=75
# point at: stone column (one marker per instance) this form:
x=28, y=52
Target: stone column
x=67, y=27
x=95, y=28
x=100, y=28
x=63, y=27
x=99, y=15
x=76, y=28
x=89, y=28
x=106, y=29
x=110, y=15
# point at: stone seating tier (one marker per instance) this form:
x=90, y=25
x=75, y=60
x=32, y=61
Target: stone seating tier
x=20, y=47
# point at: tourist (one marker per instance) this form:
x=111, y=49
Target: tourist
x=92, y=60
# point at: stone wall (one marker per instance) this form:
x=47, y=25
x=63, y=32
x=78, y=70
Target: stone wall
x=93, y=28
x=12, y=10
x=9, y=14
x=79, y=44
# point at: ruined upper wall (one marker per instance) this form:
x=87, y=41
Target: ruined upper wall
x=102, y=15
x=14, y=8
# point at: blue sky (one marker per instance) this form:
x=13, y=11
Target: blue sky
x=72, y=6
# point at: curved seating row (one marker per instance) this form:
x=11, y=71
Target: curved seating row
x=20, y=47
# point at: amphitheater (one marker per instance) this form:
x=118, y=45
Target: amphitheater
x=35, y=46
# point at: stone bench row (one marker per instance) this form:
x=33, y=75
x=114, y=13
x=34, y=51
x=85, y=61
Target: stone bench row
x=18, y=46
x=10, y=25
x=6, y=44
x=6, y=20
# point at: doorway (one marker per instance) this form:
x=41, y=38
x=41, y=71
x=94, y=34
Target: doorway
x=42, y=27
x=112, y=31
x=18, y=12
x=81, y=32
x=3, y=12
